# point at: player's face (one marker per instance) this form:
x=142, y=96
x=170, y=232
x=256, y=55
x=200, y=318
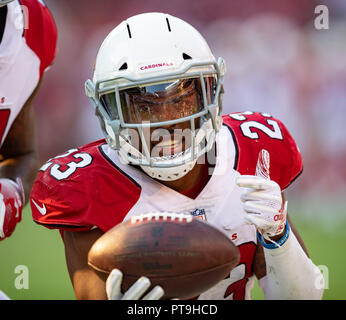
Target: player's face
x=162, y=103
x=163, y=141
x=170, y=140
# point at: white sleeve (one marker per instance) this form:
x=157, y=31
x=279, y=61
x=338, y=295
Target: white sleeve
x=290, y=273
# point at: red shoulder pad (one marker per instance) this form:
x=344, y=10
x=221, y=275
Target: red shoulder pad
x=253, y=132
x=40, y=31
x=81, y=189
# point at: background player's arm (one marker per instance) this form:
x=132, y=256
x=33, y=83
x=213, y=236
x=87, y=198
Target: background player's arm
x=86, y=283
x=18, y=154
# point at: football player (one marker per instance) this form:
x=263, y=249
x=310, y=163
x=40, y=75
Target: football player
x=27, y=48
x=157, y=92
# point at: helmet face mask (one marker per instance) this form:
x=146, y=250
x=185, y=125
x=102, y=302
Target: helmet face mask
x=162, y=121
x=161, y=102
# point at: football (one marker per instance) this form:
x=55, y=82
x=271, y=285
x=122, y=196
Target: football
x=184, y=255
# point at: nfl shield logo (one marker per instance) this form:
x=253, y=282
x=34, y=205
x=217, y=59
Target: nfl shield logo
x=198, y=213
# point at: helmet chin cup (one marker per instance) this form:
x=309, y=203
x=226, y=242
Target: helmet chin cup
x=169, y=174
x=172, y=167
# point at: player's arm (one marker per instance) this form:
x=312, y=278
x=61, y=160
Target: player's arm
x=18, y=167
x=18, y=154
x=289, y=272
x=259, y=264
x=86, y=283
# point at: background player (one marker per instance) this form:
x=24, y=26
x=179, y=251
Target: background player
x=27, y=48
x=159, y=102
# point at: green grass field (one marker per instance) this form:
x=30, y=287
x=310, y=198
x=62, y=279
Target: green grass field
x=41, y=251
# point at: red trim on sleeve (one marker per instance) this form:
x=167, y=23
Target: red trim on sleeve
x=41, y=32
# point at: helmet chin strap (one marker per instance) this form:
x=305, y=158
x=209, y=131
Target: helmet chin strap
x=172, y=167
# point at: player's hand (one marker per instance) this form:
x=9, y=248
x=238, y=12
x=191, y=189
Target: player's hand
x=262, y=201
x=11, y=205
x=136, y=292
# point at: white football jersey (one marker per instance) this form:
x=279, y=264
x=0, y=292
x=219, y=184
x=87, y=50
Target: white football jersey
x=218, y=203
x=24, y=54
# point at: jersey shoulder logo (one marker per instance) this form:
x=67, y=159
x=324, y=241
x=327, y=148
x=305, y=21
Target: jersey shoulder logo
x=42, y=210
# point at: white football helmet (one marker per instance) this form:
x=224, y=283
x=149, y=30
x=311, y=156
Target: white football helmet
x=4, y=2
x=154, y=72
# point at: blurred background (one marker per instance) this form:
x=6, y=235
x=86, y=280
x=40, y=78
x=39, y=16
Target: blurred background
x=277, y=61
